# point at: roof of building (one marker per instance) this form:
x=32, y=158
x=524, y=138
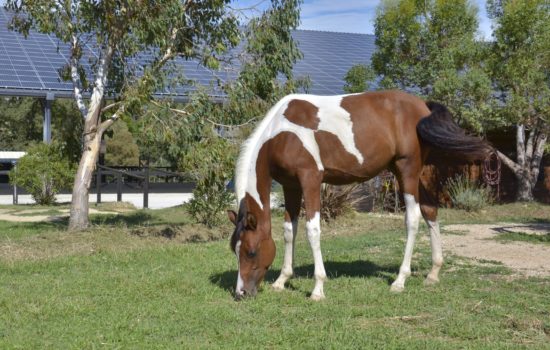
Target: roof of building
x=30, y=66
x=10, y=156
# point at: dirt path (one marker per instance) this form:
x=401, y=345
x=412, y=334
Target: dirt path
x=477, y=242
x=34, y=215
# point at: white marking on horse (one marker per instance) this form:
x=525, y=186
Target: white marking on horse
x=412, y=219
x=290, y=230
x=332, y=118
x=240, y=283
x=437, y=253
x=313, y=228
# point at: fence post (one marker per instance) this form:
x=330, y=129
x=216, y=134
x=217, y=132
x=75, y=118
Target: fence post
x=14, y=191
x=119, y=187
x=146, y=188
x=98, y=184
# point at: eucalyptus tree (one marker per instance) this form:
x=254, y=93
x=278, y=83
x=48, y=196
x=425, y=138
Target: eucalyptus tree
x=430, y=48
x=185, y=133
x=119, y=31
x=520, y=64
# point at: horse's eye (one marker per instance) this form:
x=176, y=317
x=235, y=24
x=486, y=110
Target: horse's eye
x=251, y=254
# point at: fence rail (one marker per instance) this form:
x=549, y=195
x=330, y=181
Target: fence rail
x=143, y=175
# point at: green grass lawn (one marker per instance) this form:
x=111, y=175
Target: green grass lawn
x=123, y=285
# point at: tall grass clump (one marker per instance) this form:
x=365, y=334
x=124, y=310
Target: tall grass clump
x=336, y=201
x=467, y=194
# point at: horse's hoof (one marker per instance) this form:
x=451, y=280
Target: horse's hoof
x=396, y=288
x=317, y=297
x=430, y=281
x=278, y=287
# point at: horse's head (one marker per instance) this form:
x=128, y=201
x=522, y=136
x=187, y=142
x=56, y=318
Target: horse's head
x=255, y=251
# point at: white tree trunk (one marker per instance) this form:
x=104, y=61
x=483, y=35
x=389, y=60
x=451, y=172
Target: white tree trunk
x=528, y=159
x=91, y=139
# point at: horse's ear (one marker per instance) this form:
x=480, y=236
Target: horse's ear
x=232, y=216
x=251, y=222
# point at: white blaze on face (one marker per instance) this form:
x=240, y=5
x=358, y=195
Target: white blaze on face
x=332, y=118
x=240, y=283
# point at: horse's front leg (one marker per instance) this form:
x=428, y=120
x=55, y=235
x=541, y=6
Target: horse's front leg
x=293, y=202
x=312, y=199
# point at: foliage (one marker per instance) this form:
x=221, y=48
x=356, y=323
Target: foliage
x=521, y=59
x=336, y=201
x=269, y=52
x=359, y=78
x=519, y=63
x=121, y=146
x=21, y=124
x=117, y=32
x=43, y=172
x=210, y=163
x=186, y=132
x=430, y=48
x=466, y=194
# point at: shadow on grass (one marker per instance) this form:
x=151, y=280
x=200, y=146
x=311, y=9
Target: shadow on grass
x=334, y=269
x=138, y=218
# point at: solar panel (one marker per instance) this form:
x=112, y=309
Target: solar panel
x=30, y=66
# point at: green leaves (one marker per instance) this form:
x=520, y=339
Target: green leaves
x=430, y=48
x=359, y=78
x=211, y=163
x=43, y=172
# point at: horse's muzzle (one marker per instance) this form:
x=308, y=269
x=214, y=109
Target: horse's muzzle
x=243, y=294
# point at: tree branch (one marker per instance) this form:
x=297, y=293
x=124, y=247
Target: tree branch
x=520, y=144
x=75, y=77
x=112, y=119
x=516, y=169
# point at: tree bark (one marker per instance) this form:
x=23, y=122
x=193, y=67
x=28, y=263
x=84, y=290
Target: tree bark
x=529, y=156
x=90, y=152
x=80, y=205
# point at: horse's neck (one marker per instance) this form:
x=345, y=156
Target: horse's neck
x=260, y=203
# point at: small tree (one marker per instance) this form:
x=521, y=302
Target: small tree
x=520, y=66
x=211, y=164
x=43, y=172
x=430, y=48
x=359, y=78
x=269, y=52
x=119, y=31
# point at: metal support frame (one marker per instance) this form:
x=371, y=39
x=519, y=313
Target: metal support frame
x=47, y=127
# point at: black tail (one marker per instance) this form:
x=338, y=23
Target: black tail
x=439, y=131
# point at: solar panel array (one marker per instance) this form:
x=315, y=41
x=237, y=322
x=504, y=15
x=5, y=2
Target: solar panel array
x=30, y=66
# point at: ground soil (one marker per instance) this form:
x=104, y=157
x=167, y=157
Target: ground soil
x=477, y=241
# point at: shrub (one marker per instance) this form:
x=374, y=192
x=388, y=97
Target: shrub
x=336, y=201
x=43, y=172
x=211, y=164
x=467, y=194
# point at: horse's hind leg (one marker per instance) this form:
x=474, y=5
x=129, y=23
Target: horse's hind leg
x=293, y=201
x=408, y=174
x=428, y=207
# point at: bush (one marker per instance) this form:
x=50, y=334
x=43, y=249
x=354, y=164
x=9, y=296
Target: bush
x=336, y=201
x=467, y=194
x=43, y=172
x=211, y=164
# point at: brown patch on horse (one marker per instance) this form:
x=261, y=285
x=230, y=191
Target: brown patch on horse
x=302, y=113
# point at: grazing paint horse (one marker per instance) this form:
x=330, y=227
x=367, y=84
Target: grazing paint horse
x=306, y=140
